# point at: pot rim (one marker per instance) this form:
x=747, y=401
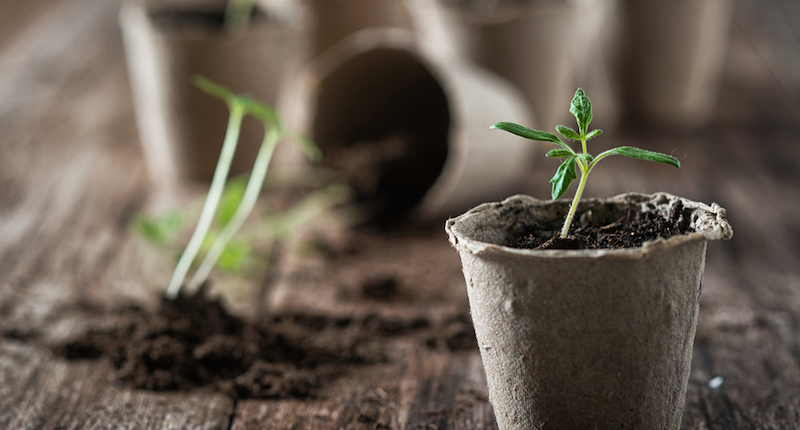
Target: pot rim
x=708, y=221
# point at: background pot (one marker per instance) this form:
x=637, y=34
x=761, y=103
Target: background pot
x=181, y=127
x=671, y=54
x=412, y=131
x=585, y=338
x=336, y=19
x=528, y=44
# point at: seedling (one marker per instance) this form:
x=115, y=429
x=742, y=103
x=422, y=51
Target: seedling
x=238, y=14
x=275, y=132
x=581, y=108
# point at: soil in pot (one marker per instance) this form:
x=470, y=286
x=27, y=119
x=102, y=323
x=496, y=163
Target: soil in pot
x=604, y=230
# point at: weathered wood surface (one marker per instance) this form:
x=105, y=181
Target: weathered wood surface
x=71, y=175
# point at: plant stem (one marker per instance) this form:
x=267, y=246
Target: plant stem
x=584, y=177
x=271, y=138
x=214, y=194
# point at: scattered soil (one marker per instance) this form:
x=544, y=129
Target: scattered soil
x=622, y=233
x=192, y=342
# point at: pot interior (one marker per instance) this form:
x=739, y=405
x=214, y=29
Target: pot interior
x=383, y=120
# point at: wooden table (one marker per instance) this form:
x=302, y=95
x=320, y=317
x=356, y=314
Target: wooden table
x=72, y=175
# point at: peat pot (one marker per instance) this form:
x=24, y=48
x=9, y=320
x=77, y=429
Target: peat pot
x=670, y=59
x=577, y=339
x=409, y=132
x=167, y=43
x=527, y=43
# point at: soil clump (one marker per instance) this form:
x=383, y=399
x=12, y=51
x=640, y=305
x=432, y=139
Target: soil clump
x=194, y=343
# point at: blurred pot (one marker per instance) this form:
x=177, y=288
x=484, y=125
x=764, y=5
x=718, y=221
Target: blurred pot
x=528, y=43
x=167, y=42
x=410, y=132
x=671, y=55
x=336, y=19
x=578, y=339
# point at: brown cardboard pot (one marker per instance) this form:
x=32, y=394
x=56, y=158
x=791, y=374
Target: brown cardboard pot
x=375, y=88
x=527, y=43
x=671, y=57
x=181, y=127
x=336, y=19
x=579, y=339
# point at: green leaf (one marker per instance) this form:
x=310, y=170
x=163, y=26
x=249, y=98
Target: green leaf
x=643, y=154
x=530, y=134
x=587, y=158
x=563, y=177
x=558, y=153
x=594, y=133
x=581, y=107
x=568, y=132
x=230, y=200
x=161, y=230
x=213, y=89
x=266, y=114
x=234, y=257
x=309, y=148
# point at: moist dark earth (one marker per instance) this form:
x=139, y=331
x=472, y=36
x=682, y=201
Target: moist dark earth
x=194, y=343
x=622, y=233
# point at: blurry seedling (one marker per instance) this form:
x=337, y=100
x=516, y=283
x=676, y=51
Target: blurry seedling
x=581, y=108
x=275, y=132
x=238, y=14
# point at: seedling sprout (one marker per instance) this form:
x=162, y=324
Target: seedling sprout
x=581, y=108
x=275, y=132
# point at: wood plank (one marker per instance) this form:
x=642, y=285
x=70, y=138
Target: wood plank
x=420, y=389
x=41, y=392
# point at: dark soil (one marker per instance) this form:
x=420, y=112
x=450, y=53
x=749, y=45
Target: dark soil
x=622, y=233
x=192, y=342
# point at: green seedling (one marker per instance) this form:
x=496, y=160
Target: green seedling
x=275, y=132
x=238, y=14
x=581, y=108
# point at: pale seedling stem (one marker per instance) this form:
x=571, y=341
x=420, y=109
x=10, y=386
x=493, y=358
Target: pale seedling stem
x=237, y=112
x=251, y=192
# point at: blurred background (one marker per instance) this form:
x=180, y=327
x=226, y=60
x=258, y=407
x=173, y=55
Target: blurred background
x=400, y=93
x=99, y=123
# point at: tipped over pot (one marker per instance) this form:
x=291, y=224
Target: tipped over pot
x=597, y=339
x=409, y=132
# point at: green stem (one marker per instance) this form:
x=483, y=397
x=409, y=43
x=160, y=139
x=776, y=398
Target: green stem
x=251, y=192
x=210, y=206
x=574, y=206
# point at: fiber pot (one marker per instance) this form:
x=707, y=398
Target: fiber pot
x=670, y=59
x=167, y=42
x=410, y=132
x=580, y=339
x=336, y=19
x=527, y=43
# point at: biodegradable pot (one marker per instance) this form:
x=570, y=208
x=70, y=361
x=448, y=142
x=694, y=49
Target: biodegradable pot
x=167, y=42
x=336, y=19
x=528, y=43
x=579, y=339
x=670, y=59
x=415, y=129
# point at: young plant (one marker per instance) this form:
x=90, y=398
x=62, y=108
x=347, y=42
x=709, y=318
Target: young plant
x=238, y=14
x=275, y=132
x=581, y=108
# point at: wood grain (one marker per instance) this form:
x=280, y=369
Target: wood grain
x=72, y=175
